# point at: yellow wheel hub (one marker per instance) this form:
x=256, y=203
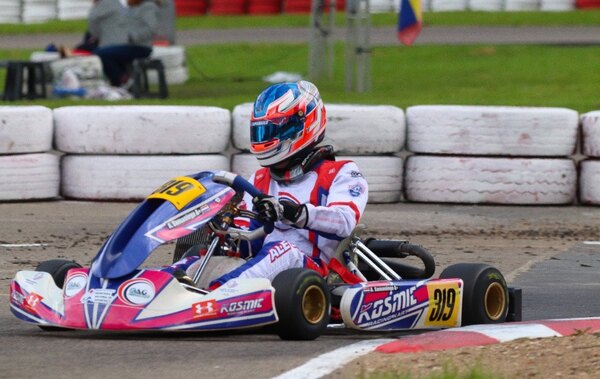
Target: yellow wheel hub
x=495, y=301
x=314, y=304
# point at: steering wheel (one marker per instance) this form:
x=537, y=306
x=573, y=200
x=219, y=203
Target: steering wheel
x=240, y=184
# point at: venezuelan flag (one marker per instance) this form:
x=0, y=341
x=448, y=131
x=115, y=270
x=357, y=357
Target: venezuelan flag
x=410, y=21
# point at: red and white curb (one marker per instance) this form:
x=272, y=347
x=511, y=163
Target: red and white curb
x=479, y=335
x=475, y=335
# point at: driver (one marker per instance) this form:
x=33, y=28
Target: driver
x=314, y=200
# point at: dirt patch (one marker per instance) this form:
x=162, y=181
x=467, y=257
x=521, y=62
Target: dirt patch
x=557, y=357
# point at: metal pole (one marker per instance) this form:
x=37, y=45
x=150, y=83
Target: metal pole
x=321, y=53
x=358, y=46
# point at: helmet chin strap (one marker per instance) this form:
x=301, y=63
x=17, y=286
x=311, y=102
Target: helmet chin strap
x=298, y=166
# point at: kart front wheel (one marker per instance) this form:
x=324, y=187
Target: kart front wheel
x=485, y=294
x=303, y=303
x=58, y=268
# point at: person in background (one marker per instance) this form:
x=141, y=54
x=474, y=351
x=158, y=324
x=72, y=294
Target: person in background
x=123, y=33
x=165, y=33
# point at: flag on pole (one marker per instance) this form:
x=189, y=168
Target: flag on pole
x=410, y=21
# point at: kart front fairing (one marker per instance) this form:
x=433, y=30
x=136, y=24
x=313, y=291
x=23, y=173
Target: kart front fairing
x=148, y=300
x=175, y=210
x=116, y=294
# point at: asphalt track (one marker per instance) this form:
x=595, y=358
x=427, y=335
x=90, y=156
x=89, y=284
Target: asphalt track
x=562, y=284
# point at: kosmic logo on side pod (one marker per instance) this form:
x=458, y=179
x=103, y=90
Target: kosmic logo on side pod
x=136, y=291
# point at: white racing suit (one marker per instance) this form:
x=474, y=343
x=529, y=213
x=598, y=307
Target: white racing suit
x=335, y=194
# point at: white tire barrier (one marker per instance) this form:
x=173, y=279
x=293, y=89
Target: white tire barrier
x=486, y=5
x=25, y=129
x=105, y=177
x=88, y=69
x=589, y=182
x=244, y=165
x=383, y=173
x=29, y=176
x=590, y=131
x=73, y=9
x=38, y=11
x=173, y=75
x=170, y=56
x=490, y=130
x=173, y=59
x=521, y=5
x=490, y=180
x=351, y=129
x=10, y=12
x=142, y=129
x=448, y=5
x=557, y=5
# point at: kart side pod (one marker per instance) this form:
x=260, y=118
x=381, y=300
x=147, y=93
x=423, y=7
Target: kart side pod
x=465, y=294
x=403, y=304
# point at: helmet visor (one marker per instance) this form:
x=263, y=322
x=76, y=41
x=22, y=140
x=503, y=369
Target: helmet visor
x=280, y=128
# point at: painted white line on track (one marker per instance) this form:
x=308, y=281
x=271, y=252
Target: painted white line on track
x=329, y=362
x=509, y=332
x=591, y=242
x=23, y=244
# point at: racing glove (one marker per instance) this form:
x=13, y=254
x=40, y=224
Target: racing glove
x=294, y=214
x=268, y=208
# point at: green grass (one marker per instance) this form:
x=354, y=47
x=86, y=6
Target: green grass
x=448, y=371
x=580, y=17
x=525, y=75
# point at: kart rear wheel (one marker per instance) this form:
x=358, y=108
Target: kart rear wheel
x=485, y=294
x=303, y=303
x=58, y=268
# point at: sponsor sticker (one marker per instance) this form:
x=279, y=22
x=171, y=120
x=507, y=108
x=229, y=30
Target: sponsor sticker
x=356, y=190
x=137, y=291
x=17, y=297
x=278, y=250
x=394, y=305
x=32, y=300
x=444, y=303
x=179, y=191
x=242, y=306
x=205, y=309
x=75, y=283
x=99, y=295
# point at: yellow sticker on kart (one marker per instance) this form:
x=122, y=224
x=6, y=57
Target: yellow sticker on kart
x=445, y=301
x=179, y=191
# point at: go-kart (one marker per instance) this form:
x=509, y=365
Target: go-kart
x=369, y=287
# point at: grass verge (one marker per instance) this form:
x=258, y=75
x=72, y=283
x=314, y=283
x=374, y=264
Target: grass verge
x=548, y=76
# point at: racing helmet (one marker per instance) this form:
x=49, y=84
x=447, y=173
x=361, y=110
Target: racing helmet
x=288, y=119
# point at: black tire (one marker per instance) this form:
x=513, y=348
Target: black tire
x=303, y=303
x=58, y=268
x=485, y=294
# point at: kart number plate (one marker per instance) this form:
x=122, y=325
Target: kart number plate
x=179, y=191
x=444, y=303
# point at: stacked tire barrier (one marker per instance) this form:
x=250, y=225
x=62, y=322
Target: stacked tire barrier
x=123, y=153
x=447, y=154
x=28, y=168
x=589, y=176
x=500, y=155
